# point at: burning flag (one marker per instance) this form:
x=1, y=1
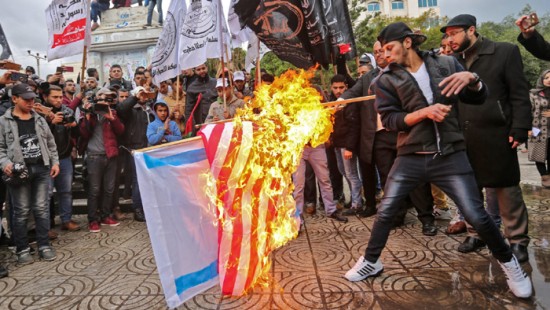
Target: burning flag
x=252, y=160
x=243, y=170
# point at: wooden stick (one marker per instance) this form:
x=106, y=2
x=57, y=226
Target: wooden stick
x=347, y=101
x=167, y=144
x=216, y=122
x=84, y=54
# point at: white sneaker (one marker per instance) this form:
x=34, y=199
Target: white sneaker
x=442, y=214
x=364, y=269
x=518, y=281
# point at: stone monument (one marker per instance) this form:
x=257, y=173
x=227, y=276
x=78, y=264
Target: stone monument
x=122, y=39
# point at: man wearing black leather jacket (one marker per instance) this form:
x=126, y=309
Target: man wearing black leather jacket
x=416, y=95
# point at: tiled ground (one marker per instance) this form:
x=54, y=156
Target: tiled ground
x=115, y=269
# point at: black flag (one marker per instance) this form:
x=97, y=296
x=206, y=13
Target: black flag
x=302, y=32
x=6, y=51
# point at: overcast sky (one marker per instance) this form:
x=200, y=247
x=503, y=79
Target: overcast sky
x=24, y=22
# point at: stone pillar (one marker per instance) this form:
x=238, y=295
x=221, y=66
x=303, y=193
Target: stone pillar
x=150, y=52
x=95, y=60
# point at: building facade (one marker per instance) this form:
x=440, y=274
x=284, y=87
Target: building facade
x=409, y=8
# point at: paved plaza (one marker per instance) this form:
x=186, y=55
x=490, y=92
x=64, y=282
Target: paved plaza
x=115, y=269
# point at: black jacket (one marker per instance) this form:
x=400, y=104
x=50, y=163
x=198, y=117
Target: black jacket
x=487, y=127
x=64, y=137
x=206, y=87
x=398, y=93
x=536, y=45
x=361, y=118
x=136, y=118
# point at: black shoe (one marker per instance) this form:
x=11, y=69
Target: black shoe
x=3, y=272
x=351, y=211
x=368, y=212
x=429, y=229
x=520, y=251
x=471, y=244
x=138, y=215
x=336, y=216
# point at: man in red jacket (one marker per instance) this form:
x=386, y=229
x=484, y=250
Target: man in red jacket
x=99, y=129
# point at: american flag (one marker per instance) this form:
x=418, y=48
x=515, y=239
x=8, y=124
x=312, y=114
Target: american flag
x=246, y=210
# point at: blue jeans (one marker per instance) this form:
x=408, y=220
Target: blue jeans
x=96, y=9
x=349, y=168
x=454, y=176
x=63, y=184
x=152, y=4
x=101, y=175
x=317, y=158
x=31, y=196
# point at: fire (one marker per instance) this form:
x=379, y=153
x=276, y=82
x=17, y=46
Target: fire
x=286, y=116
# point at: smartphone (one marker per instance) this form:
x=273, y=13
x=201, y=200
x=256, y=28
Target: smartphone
x=17, y=76
x=59, y=70
x=151, y=95
x=531, y=21
x=7, y=65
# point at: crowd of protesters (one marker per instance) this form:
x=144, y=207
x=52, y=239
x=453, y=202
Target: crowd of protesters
x=440, y=124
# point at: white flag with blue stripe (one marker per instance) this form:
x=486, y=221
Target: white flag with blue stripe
x=180, y=221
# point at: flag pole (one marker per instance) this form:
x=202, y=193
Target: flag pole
x=84, y=53
x=220, y=37
x=258, y=74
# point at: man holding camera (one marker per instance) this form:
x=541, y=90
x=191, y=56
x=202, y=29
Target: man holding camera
x=99, y=130
x=62, y=121
x=29, y=159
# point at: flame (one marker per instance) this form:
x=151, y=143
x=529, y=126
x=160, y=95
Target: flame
x=286, y=116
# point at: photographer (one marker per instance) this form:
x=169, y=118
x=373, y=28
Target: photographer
x=62, y=123
x=136, y=114
x=29, y=159
x=531, y=39
x=99, y=129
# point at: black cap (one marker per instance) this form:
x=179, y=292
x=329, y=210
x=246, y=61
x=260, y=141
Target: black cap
x=462, y=20
x=398, y=31
x=24, y=91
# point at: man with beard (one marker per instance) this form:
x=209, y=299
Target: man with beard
x=494, y=129
x=377, y=149
x=69, y=98
x=205, y=86
x=61, y=124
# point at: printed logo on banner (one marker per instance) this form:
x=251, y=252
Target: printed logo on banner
x=274, y=21
x=167, y=41
x=74, y=32
x=201, y=21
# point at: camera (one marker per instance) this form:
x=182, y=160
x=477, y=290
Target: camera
x=19, y=175
x=68, y=118
x=17, y=76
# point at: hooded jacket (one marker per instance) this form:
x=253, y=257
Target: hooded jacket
x=156, y=134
